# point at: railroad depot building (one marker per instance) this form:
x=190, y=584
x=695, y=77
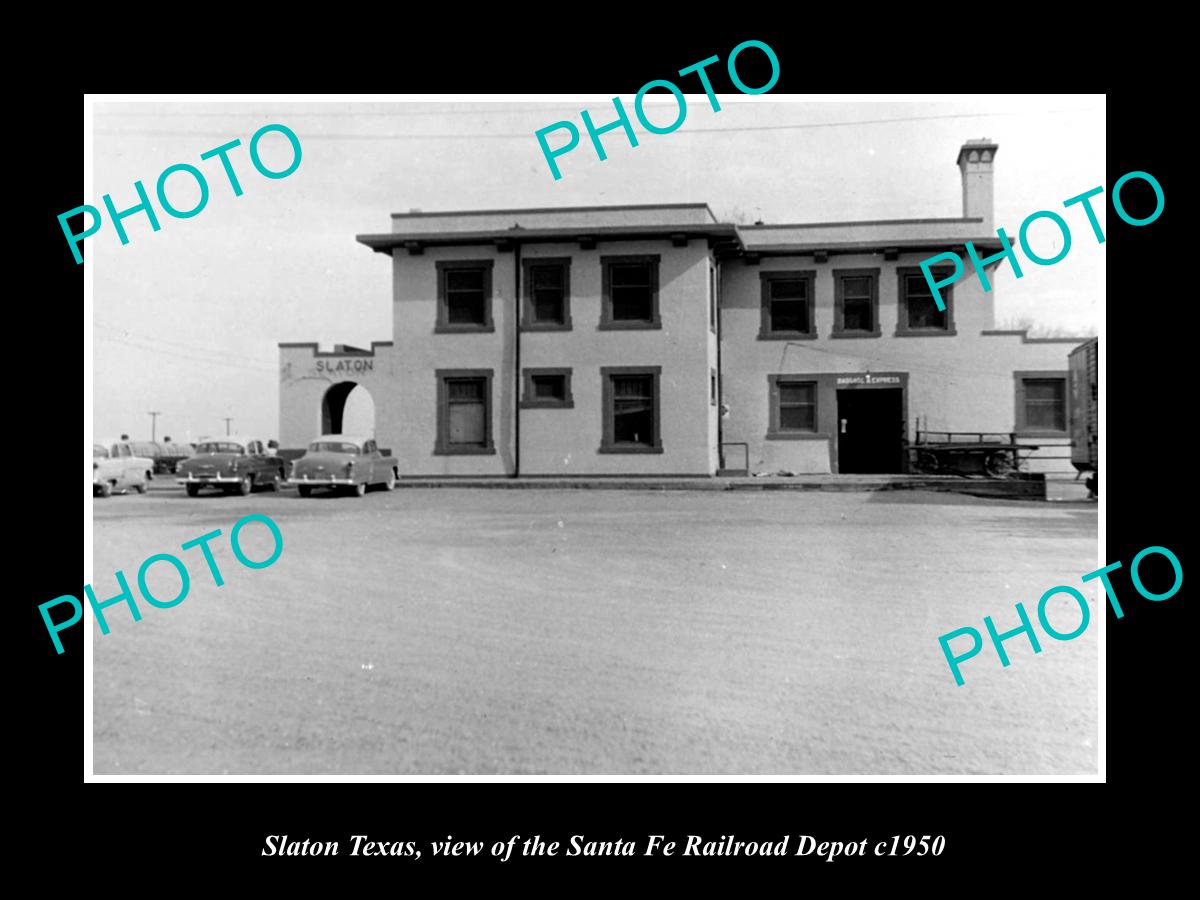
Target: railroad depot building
x=655, y=340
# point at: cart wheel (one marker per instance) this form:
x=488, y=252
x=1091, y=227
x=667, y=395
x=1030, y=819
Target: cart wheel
x=928, y=462
x=999, y=464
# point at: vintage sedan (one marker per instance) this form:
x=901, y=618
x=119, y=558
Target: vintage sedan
x=233, y=464
x=116, y=468
x=343, y=461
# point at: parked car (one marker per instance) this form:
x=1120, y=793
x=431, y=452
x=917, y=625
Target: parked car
x=236, y=464
x=116, y=468
x=343, y=461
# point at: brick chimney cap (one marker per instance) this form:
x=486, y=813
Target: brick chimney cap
x=977, y=145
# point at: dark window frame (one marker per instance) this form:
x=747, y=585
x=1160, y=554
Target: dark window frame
x=774, y=431
x=1021, y=426
x=947, y=294
x=528, y=308
x=442, y=445
x=529, y=398
x=607, y=323
x=444, y=325
x=839, y=304
x=765, y=332
x=607, y=444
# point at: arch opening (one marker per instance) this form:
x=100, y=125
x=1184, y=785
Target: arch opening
x=348, y=408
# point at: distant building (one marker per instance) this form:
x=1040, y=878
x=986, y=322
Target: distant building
x=655, y=340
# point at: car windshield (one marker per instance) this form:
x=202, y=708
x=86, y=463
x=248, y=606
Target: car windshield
x=219, y=447
x=98, y=450
x=333, y=447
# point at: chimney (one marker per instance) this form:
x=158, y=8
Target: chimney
x=975, y=161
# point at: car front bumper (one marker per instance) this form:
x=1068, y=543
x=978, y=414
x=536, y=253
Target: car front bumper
x=317, y=482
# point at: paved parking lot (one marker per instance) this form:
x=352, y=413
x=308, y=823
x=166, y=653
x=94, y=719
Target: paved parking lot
x=563, y=632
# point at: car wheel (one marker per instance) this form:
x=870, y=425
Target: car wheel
x=390, y=484
x=305, y=490
x=998, y=464
x=140, y=487
x=360, y=489
x=105, y=489
x=193, y=490
x=246, y=485
x=928, y=463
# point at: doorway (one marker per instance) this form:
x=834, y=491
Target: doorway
x=870, y=430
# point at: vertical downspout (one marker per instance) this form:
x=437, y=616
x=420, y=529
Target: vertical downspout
x=517, y=359
x=716, y=288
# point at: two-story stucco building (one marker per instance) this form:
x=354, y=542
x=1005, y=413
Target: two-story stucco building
x=655, y=340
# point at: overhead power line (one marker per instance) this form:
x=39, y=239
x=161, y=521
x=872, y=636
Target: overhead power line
x=189, y=348
x=181, y=355
x=526, y=135
x=399, y=114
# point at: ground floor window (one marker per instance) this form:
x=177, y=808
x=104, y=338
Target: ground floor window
x=547, y=389
x=631, y=404
x=464, y=411
x=793, y=406
x=1041, y=403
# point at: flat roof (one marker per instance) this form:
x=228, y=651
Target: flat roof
x=613, y=223
x=664, y=215
x=385, y=243
x=526, y=210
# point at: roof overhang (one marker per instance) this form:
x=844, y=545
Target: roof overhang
x=918, y=244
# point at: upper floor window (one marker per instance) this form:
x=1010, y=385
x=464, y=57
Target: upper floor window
x=856, y=303
x=787, y=305
x=464, y=295
x=630, y=292
x=918, y=312
x=712, y=299
x=547, y=300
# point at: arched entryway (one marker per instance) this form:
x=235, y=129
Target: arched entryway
x=348, y=408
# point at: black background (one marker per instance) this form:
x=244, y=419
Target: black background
x=996, y=833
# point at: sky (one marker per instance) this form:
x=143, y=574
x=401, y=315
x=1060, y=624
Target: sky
x=187, y=320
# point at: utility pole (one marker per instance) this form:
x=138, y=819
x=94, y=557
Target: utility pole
x=153, y=424
x=228, y=419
